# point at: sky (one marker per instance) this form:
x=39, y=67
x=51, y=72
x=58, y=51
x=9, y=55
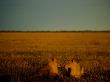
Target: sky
x=54, y=15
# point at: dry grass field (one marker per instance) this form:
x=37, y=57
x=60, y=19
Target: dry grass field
x=22, y=54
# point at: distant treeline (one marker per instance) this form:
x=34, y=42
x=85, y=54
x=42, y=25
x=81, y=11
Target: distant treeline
x=56, y=31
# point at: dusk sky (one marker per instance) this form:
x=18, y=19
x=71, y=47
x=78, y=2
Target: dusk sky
x=35, y=15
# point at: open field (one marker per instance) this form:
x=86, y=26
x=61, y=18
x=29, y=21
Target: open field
x=23, y=53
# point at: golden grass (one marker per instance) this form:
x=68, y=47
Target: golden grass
x=26, y=52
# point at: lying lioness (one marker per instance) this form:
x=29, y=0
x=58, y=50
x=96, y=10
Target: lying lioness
x=74, y=69
x=53, y=67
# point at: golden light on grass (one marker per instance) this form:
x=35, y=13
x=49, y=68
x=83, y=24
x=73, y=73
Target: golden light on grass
x=22, y=54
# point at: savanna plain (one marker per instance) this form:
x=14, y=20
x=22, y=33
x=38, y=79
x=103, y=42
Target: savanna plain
x=23, y=54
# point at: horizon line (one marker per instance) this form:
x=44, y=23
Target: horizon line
x=56, y=31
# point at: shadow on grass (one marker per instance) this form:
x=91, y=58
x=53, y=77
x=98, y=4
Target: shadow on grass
x=95, y=75
x=5, y=78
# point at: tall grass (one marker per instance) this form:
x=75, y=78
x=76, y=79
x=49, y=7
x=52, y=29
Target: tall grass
x=22, y=55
